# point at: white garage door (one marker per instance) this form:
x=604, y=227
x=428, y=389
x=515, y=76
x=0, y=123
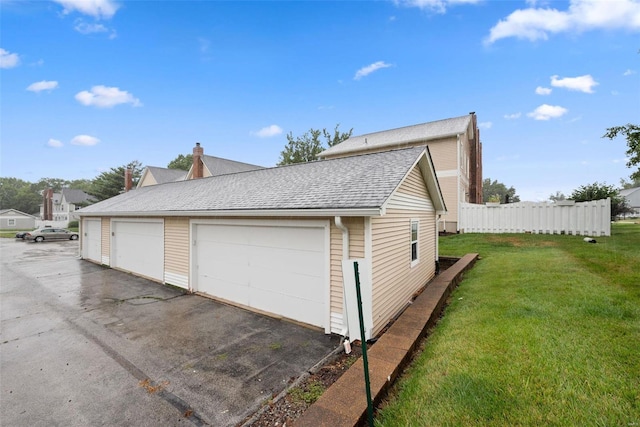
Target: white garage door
x=92, y=240
x=280, y=269
x=138, y=247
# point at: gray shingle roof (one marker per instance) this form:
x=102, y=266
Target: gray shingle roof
x=72, y=195
x=162, y=175
x=357, y=182
x=398, y=137
x=220, y=166
x=628, y=191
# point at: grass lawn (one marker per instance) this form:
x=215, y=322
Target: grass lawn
x=544, y=330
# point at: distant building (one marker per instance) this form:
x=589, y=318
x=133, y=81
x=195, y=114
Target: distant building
x=633, y=198
x=61, y=207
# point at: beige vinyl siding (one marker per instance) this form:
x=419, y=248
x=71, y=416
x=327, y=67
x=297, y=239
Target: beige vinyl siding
x=149, y=179
x=176, y=251
x=106, y=240
x=414, y=185
x=449, y=188
x=394, y=279
x=356, y=250
x=444, y=153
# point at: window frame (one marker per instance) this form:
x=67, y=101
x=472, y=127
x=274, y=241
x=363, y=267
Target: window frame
x=414, y=243
x=11, y=222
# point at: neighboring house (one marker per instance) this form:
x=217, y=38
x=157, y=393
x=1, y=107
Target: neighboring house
x=61, y=207
x=455, y=148
x=272, y=240
x=633, y=198
x=14, y=219
x=152, y=175
x=203, y=166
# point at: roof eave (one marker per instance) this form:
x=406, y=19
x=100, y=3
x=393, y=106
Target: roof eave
x=370, y=211
x=396, y=144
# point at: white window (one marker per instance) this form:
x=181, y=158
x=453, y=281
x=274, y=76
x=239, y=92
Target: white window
x=11, y=222
x=414, y=242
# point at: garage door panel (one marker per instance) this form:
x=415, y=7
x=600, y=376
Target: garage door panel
x=277, y=269
x=138, y=246
x=92, y=240
x=293, y=238
x=300, y=262
x=306, y=311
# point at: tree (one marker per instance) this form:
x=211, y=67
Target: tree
x=559, y=196
x=597, y=191
x=18, y=194
x=496, y=188
x=305, y=148
x=632, y=135
x=111, y=183
x=181, y=162
x=624, y=184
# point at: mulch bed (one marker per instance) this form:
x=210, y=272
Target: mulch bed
x=286, y=410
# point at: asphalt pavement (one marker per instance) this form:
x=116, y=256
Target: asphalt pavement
x=81, y=344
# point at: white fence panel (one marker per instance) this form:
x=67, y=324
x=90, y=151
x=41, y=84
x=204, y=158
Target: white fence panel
x=582, y=218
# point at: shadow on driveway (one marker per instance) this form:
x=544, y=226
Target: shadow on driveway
x=87, y=345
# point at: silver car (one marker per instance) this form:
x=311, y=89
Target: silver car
x=43, y=234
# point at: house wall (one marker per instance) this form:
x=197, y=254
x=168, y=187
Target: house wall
x=148, y=180
x=395, y=280
x=14, y=221
x=356, y=250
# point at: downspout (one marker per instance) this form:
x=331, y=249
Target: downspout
x=345, y=255
x=458, y=182
x=438, y=243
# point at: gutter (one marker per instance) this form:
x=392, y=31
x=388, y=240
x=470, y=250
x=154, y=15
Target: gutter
x=374, y=211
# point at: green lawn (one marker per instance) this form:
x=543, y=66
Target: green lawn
x=544, y=330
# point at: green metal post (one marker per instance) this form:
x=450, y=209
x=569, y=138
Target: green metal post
x=367, y=384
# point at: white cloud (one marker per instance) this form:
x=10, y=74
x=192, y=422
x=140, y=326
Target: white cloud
x=205, y=44
x=546, y=112
x=365, y=71
x=581, y=83
x=485, y=125
x=543, y=90
x=43, y=85
x=8, y=60
x=629, y=72
x=512, y=116
x=54, y=143
x=106, y=97
x=268, y=131
x=99, y=9
x=438, y=6
x=84, y=28
x=85, y=140
x=582, y=15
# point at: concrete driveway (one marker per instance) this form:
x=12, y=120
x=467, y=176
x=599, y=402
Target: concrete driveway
x=86, y=345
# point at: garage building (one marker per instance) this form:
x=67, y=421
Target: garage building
x=273, y=240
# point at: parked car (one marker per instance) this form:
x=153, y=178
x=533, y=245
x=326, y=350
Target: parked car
x=20, y=234
x=42, y=234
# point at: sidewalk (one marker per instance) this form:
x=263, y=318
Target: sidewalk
x=345, y=402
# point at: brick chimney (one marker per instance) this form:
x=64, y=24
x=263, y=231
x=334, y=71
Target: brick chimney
x=198, y=151
x=475, y=166
x=45, y=205
x=47, y=212
x=128, y=179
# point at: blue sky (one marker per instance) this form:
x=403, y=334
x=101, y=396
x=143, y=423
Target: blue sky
x=86, y=85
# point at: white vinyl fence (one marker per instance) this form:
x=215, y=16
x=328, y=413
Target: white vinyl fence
x=583, y=218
